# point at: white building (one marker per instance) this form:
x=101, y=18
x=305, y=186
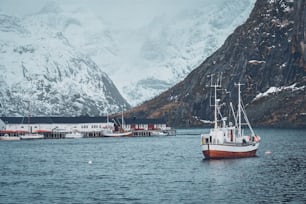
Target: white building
x=58, y=127
x=54, y=124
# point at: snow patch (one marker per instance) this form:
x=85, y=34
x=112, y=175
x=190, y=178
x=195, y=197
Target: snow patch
x=274, y=90
x=207, y=121
x=256, y=62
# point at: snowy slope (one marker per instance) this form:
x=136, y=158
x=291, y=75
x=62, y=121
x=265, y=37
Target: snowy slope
x=145, y=60
x=39, y=68
x=145, y=47
x=171, y=47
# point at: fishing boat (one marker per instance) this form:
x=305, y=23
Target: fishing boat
x=31, y=135
x=118, y=131
x=110, y=133
x=226, y=141
x=7, y=137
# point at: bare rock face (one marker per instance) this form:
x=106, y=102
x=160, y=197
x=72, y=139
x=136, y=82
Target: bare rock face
x=266, y=54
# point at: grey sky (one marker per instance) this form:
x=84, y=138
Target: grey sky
x=133, y=12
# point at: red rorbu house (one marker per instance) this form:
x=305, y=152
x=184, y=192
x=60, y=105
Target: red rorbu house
x=57, y=127
x=144, y=126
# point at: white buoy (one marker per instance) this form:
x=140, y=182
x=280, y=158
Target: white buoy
x=89, y=162
x=268, y=152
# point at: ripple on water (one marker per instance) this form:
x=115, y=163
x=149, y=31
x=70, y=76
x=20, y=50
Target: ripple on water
x=151, y=170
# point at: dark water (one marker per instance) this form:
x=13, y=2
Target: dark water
x=152, y=170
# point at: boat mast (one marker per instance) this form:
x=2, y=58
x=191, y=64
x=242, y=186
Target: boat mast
x=107, y=120
x=239, y=109
x=216, y=100
x=216, y=108
x=122, y=120
x=29, y=116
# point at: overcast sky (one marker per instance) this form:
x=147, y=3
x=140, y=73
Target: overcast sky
x=136, y=12
x=166, y=37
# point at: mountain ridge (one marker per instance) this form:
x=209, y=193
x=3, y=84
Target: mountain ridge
x=266, y=51
x=168, y=45
x=42, y=73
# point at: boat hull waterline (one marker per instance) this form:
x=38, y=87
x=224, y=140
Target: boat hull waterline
x=211, y=151
x=119, y=134
x=9, y=138
x=74, y=136
x=31, y=137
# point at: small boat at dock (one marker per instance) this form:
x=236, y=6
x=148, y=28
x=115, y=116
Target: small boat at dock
x=117, y=130
x=74, y=135
x=31, y=136
x=158, y=133
x=110, y=133
x=9, y=138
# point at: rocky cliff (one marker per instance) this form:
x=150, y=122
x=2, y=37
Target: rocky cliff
x=266, y=54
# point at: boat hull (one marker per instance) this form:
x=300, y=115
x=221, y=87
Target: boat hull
x=211, y=151
x=31, y=137
x=117, y=134
x=9, y=138
x=73, y=136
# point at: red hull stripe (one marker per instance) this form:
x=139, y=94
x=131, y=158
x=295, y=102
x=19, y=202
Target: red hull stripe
x=214, y=154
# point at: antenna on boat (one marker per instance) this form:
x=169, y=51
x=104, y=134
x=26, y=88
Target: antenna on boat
x=242, y=110
x=107, y=119
x=29, y=116
x=122, y=117
x=239, y=108
x=215, y=84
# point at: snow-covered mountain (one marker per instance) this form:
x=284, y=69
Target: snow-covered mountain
x=148, y=59
x=266, y=54
x=144, y=58
x=42, y=73
x=171, y=47
x=145, y=47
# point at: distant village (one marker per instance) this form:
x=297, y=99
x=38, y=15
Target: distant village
x=15, y=128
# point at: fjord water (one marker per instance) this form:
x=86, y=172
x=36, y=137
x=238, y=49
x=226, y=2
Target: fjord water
x=152, y=170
